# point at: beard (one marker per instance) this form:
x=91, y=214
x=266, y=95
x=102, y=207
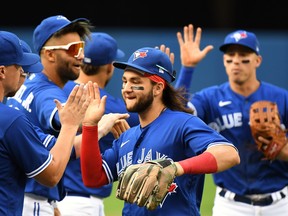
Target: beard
x=142, y=103
x=65, y=72
x=11, y=94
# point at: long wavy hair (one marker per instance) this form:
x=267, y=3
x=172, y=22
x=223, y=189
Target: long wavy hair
x=176, y=99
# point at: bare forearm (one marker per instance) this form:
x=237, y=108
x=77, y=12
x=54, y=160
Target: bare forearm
x=62, y=150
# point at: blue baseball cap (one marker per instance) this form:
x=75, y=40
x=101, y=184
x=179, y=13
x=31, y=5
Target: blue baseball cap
x=150, y=60
x=243, y=38
x=11, y=51
x=34, y=68
x=48, y=27
x=101, y=49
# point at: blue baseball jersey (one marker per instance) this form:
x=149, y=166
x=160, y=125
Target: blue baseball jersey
x=228, y=113
x=174, y=135
x=73, y=179
x=35, y=99
x=22, y=155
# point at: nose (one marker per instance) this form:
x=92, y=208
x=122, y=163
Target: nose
x=236, y=59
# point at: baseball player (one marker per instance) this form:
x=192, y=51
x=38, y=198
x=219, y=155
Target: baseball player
x=256, y=186
x=60, y=43
x=23, y=155
x=167, y=129
x=100, y=51
x=35, y=97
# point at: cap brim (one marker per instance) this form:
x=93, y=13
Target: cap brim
x=224, y=47
x=28, y=59
x=123, y=65
x=34, y=68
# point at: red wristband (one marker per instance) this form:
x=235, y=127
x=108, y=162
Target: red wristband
x=201, y=164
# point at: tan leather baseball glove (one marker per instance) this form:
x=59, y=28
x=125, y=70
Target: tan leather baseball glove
x=146, y=184
x=265, y=121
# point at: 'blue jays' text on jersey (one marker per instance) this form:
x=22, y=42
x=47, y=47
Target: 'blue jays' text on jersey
x=175, y=135
x=228, y=113
x=22, y=155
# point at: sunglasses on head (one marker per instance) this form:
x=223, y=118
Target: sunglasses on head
x=73, y=49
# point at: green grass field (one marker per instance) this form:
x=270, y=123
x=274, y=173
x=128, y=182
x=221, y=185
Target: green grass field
x=114, y=206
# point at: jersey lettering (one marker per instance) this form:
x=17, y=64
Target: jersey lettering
x=19, y=94
x=227, y=121
x=126, y=160
x=25, y=103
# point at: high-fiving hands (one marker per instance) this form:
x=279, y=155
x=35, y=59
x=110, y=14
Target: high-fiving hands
x=96, y=106
x=190, y=53
x=112, y=122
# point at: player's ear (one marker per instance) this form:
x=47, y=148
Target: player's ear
x=258, y=60
x=158, y=88
x=2, y=71
x=49, y=54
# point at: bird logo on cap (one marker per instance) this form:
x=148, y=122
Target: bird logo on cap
x=239, y=35
x=140, y=54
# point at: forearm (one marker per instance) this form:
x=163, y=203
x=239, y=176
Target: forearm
x=214, y=159
x=78, y=142
x=185, y=78
x=61, y=151
x=93, y=174
x=201, y=164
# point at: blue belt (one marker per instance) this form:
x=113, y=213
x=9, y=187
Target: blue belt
x=70, y=193
x=257, y=202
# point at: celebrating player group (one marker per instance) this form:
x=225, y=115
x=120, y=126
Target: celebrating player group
x=65, y=140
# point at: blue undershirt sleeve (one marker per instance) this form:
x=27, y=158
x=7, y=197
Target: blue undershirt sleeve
x=185, y=78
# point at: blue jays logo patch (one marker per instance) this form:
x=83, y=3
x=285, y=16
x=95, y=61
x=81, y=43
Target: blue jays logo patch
x=239, y=35
x=140, y=54
x=172, y=189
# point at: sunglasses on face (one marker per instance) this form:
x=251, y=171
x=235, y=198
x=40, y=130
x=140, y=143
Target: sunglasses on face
x=73, y=49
